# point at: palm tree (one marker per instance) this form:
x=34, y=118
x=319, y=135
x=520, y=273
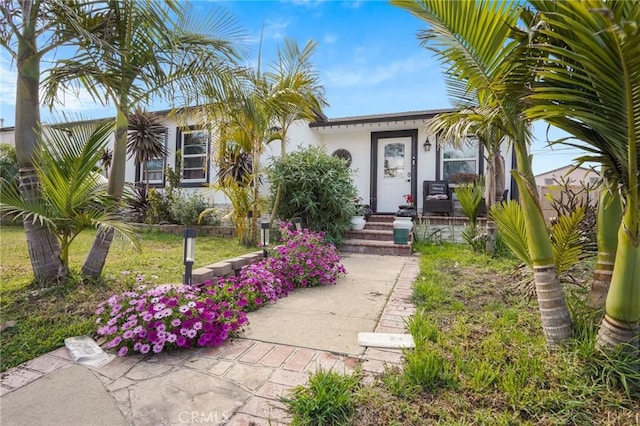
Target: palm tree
x=146, y=140
x=590, y=87
x=156, y=55
x=73, y=194
x=455, y=127
x=295, y=93
x=23, y=25
x=255, y=114
x=486, y=67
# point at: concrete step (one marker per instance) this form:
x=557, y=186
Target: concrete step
x=375, y=247
x=385, y=234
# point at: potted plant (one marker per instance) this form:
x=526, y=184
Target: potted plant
x=409, y=208
x=358, y=221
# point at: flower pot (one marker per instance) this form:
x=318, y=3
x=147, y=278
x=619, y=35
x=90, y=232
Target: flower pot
x=358, y=223
x=407, y=211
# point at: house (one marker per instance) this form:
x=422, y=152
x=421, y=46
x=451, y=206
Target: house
x=391, y=155
x=579, y=180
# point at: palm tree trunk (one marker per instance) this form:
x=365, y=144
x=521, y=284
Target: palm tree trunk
x=622, y=308
x=97, y=256
x=609, y=218
x=554, y=313
x=42, y=244
x=94, y=264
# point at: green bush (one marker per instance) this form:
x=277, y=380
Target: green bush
x=328, y=399
x=318, y=188
x=185, y=209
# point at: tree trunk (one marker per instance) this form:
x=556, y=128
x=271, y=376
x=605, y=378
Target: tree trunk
x=554, y=313
x=94, y=264
x=609, y=218
x=622, y=307
x=97, y=256
x=42, y=244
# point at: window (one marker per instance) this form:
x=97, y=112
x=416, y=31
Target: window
x=457, y=162
x=549, y=181
x=154, y=169
x=195, y=148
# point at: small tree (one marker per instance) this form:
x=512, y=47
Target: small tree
x=74, y=194
x=316, y=187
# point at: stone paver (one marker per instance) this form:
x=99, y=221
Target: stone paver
x=239, y=383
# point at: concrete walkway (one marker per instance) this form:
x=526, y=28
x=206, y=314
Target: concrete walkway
x=238, y=383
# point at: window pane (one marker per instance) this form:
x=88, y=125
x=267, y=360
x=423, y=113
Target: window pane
x=157, y=164
x=195, y=143
x=154, y=176
x=464, y=151
x=193, y=174
x=394, y=160
x=194, y=163
x=450, y=168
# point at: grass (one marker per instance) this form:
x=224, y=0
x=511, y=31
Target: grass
x=45, y=315
x=481, y=357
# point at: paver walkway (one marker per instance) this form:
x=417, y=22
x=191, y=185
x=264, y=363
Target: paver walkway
x=238, y=383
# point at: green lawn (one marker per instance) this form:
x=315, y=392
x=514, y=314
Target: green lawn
x=44, y=316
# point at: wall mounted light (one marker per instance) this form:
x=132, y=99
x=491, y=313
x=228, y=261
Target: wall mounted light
x=426, y=145
x=264, y=237
x=189, y=255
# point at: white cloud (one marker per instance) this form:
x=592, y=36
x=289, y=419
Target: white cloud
x=275, y=30
x=361, y=74
x=329, y=38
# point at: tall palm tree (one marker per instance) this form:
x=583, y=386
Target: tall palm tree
x=486, y=67
x=590, y=87
x=74, y=195
x=256, y=113
x=157, y=55
x=295, y=93
x=29, y=30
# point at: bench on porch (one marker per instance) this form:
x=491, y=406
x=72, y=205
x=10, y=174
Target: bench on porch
x=437, y=197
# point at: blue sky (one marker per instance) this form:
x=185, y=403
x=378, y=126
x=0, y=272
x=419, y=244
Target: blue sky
x=368, y=57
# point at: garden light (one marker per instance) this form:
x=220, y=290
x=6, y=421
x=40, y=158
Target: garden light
x=264, y=237
x=298, y=222
x=189, y=253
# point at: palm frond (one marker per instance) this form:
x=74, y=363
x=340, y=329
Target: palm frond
x=509, y=220
x=565, y=235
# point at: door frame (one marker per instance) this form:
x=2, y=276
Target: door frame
x=375, y=138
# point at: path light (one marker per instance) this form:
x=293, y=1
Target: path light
x=298, y=222
x=426, y=145
x=189, y=253
x=264, y=237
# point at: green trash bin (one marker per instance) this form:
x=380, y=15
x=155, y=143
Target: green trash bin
x=400, y=236
x=401, y=228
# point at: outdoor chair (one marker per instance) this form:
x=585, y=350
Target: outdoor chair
x=437, y=197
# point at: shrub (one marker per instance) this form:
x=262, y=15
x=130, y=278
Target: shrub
x=328, y=399
x=167, y=317
x=304, y=259
x=318, y=188
x=185, y=209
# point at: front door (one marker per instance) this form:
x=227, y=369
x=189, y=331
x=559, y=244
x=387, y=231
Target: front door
x=394, y=168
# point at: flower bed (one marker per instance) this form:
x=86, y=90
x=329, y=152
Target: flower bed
x=176, y=316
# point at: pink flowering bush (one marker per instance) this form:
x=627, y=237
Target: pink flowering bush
x=166, y=317
x=251, y=289
x=304, y=259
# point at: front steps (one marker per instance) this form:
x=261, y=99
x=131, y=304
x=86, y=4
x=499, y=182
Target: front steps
x=376, y=238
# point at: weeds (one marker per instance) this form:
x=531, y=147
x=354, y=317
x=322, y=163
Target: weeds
x=328, y=399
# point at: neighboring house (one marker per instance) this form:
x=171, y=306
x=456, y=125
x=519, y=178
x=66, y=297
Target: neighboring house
x=391, y=155
x=577, y=176
x=577, y=179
